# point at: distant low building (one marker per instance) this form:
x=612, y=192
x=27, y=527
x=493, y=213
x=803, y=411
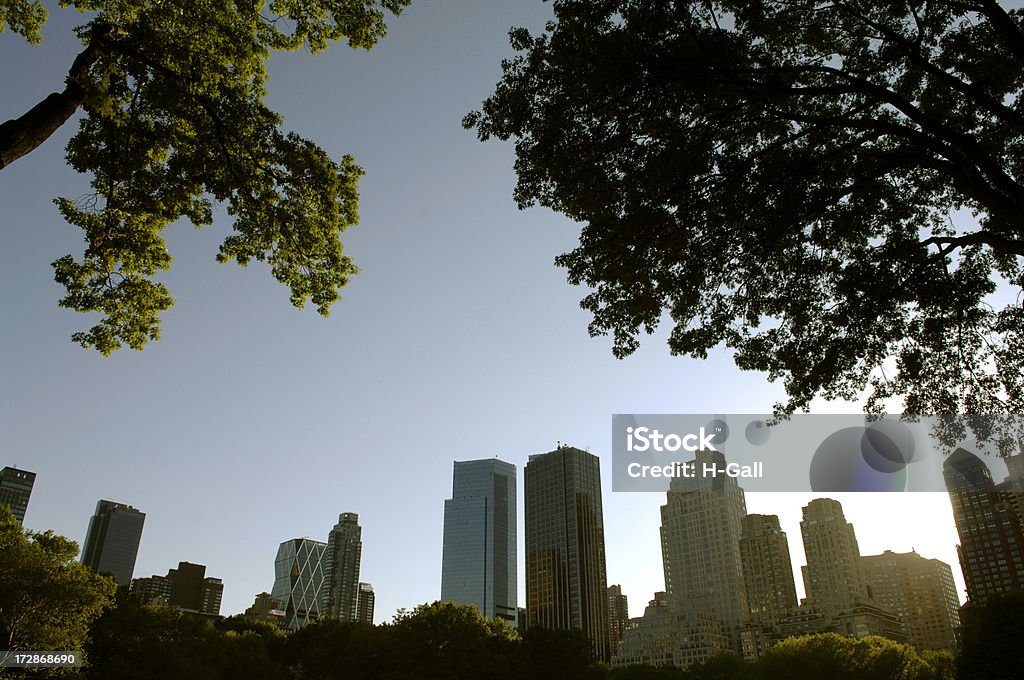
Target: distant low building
x=186, y=588
x=676, y=635
x=266, y=608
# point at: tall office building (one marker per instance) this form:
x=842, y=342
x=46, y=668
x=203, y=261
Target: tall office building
x=187, y=588
x=832, y=577
x=478, y=563
x=767, y=570
x=618, y=616
x=299, y=580
x=112, y=542
x=15, y=489
x=341, y=568
x=364, y=604
x=920, y=591
x=701, y=523
x=566, y=582
x=989, y=523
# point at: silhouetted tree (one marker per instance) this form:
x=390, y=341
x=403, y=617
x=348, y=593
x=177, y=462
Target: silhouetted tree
x=779, y=177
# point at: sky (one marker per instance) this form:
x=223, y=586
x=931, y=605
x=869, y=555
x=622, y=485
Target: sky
x=251, y=423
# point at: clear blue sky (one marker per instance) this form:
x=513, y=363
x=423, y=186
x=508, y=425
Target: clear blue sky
x=251, y=423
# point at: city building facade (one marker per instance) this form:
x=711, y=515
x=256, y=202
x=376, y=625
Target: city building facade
x=479, y=561
x=618, y=616
x=341, y=561
x=989, y=523
x=15, y=490
x=918, y=590
x=112, y=541
x=364, y=604
x=833, y=581
x=767, y=570
x=299, y=580
x=566, y=581
x=186, y=588
x=701, y=524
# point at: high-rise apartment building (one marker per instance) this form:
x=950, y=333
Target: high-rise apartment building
x=701, y=524
x=566, y=582
x=767, y=570
x=989, y=523
x=112, y=542
x=618, y=616
x=678, y=635
x=920, y=591
x=299, y=580
x=364, y=604
x=186, y=588
x=478, y=563
x=15, y=490
x=832, y=577
x=341, y=568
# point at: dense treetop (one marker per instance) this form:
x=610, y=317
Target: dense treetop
x=173, y=121
x=833, y=189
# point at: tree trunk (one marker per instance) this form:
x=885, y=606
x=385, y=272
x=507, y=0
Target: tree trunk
x=20, y=136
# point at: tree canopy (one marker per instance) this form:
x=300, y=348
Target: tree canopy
x=47, y=599
x=832, y=189
x=173, y=121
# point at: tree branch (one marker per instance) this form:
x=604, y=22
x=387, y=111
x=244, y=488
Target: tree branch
x=994, y=241
x=19, y=136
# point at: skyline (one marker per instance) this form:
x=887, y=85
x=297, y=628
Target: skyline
x=460, y=340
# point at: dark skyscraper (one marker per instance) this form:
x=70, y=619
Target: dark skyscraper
x=566, y=582
x=341, y=568
x=989, y=524
x=112, y=543
x=15, y=489
x=478, y=563
x=364, y=604
x=618, y=616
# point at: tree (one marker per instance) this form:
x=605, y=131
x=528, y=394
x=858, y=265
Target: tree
x=174, y=120
x=47, y=599
x=834, y=656
x=791, y=180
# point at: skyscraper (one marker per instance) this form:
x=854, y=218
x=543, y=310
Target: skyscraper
x=112, y=542
x=920, y=591
x=364, y=604
x=832, y=577
x=767, y=570
x=618, y=616
x=478, y=563
x=989, y=524
x=341, y=568
x=299, y=580
x=15, y=489
x=566, y=582
x=700, y=544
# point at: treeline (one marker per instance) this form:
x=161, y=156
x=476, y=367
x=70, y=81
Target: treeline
x=50, y=602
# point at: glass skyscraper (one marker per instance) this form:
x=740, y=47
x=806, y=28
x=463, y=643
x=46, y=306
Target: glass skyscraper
x=299, y=580
x=478, y=564
x=15, y=489
x=566, y=578
x=112, y=542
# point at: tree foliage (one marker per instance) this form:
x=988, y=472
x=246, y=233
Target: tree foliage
x=47, y=599
x=174, y=122
x=832, y=188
